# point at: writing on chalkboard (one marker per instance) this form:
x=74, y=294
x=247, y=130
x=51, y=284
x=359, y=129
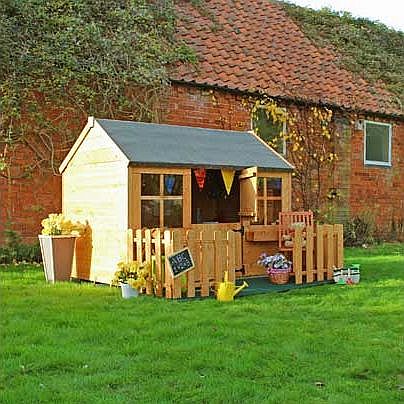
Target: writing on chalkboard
x=180, y=262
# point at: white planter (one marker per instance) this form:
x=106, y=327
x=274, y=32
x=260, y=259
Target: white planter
x=57, y=256
x=127, y=291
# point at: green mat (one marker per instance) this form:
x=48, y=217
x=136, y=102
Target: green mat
x=261, y=284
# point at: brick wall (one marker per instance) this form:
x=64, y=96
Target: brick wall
x=380, y=190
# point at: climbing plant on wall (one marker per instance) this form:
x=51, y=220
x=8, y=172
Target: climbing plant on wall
x=62, y=60
x=312, y=140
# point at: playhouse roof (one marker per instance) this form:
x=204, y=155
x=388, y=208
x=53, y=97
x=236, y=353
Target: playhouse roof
x=255, y=46
x=168, y=145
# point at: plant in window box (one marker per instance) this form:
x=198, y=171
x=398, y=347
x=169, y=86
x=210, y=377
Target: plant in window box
x=57, y=243
x=131, y=277
x=278, y=267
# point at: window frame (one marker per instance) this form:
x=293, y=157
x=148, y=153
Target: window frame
x=161, y=198
x=265, y=198
x=374, y=162
x=284, y=127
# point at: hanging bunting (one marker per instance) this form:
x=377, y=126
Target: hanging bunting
x=169, y=181
x=228, y=178
x=200, y=175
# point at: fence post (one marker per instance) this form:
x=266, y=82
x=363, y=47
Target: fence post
x=129, y=248
x=221, y=244
x=168, y=275
x=148, y=259
x=194, y=247
x=339, y=230
x=309, y=254
x=158, y=273
x=330, y=263
x=297, y=256
x=208, y=260
x=177, y=244
x=320, y=252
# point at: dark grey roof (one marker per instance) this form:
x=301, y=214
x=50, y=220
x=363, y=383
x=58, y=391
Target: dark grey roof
x=162, y=145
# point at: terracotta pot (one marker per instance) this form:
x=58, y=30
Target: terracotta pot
x=57, y=256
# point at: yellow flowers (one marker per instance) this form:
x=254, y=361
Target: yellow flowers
x=133, y=273
x=56, y=224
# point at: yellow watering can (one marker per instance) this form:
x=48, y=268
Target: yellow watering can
x=227, y=290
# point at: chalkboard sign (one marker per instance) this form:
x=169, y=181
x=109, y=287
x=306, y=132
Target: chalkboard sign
x=180, y=262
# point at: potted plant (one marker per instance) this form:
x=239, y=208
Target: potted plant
x=278, y=267
x=57, y=243
x=131, y=277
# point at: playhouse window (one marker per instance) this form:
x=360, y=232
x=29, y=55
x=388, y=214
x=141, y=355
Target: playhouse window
x=161, y=200
x=269, y=199
x=377, y=143
x=268, y=130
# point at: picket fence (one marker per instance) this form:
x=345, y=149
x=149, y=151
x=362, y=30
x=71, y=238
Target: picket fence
x=213, y=252
x=317, y=250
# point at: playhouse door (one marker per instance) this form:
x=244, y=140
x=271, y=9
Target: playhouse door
x=248, y=194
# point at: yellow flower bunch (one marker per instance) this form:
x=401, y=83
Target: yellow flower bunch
x=56, y=224
x=133, y=273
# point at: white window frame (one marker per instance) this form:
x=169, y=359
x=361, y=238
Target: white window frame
x=372, y=162
x=283, y=153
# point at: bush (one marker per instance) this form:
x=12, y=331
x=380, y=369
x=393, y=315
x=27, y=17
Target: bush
x=359, y=230
x=16, y=251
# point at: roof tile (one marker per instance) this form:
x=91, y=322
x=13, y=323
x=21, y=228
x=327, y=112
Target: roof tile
x=259, y=46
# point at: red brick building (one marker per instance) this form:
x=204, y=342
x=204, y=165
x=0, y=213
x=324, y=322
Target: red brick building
x=250, y=47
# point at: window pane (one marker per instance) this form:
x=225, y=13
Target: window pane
x=274, y=186
x=377, y=142
x=273, y=209
x=260, y=186
x=150, y=184
x=260, y=212
x=267, y=130
x=173, y=213
x=151, y=213
x=172, y=184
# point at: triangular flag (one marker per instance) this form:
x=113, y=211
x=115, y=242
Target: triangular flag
x=228, y=177
x=200, y=175
x=169, y=183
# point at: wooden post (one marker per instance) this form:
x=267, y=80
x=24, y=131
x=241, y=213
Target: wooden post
x=139, y=246
x=220, y=256
x=232, y=254
x=177, y=244
x=309, y=255
x=129, y=248
x=193, y=240
x=208, y=260
x=339, y=230
x=330, y=262
x=159, y=276
x=168, y=275
x=148, y=259
x=297, y=256
x=320, y=252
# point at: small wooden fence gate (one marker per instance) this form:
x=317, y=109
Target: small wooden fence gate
x=213, y=252
x=317, y=250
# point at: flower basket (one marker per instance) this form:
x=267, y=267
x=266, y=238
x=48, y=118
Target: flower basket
x=279, y=277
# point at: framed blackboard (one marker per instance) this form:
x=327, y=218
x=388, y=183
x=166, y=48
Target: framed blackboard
x=180, y=262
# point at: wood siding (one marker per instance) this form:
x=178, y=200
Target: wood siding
x=95, y=189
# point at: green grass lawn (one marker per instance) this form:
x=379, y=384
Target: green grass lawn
x=80, y=343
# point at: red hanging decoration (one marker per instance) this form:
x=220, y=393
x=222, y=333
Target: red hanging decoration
x=200, y=175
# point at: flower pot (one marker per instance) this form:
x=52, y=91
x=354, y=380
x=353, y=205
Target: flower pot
x=279, y=278
x=127, y=291
x=57, y=256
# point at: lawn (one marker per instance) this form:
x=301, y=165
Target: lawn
x=80, y=343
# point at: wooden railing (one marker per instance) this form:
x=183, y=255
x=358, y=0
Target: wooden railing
x=317, y=250
x=213, y=251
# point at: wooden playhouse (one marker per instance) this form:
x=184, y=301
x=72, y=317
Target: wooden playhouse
x=149, y=189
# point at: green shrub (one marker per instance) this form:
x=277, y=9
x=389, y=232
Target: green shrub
x=16, y=251
x=359, y=230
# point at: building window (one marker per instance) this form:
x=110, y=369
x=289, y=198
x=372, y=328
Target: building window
x=377, y=143
x=161, y=200
x=268, y=130
x=269, y=200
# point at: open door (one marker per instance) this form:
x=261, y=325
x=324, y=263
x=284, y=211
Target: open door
x=248, y=194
